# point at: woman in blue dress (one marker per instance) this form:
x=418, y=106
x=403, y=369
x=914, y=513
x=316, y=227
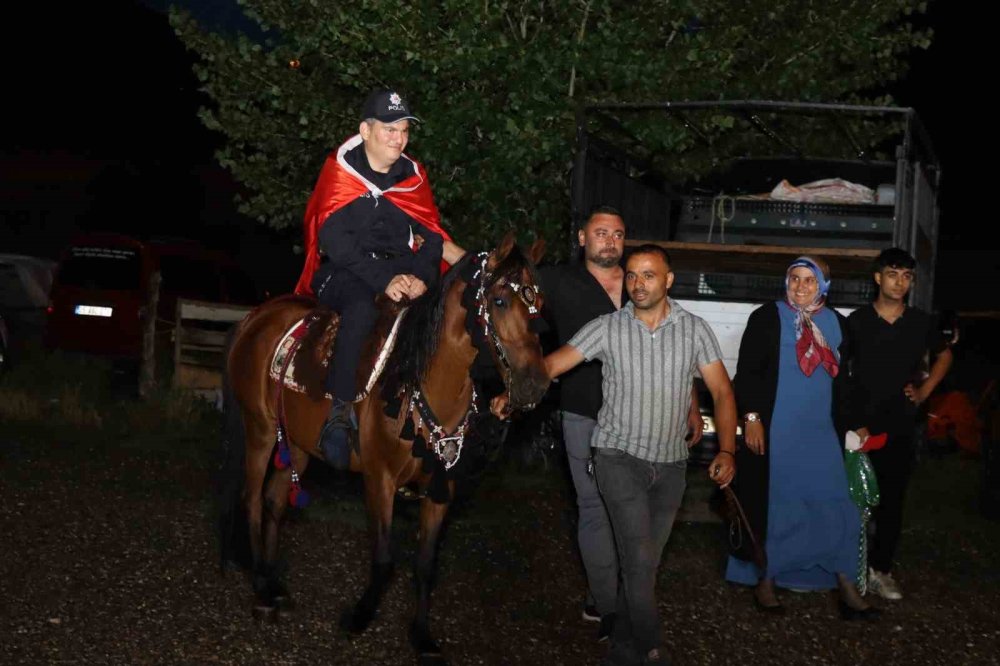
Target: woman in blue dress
x=791, y=478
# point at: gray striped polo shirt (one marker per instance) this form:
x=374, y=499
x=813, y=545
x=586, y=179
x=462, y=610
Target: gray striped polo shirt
x=646, y=378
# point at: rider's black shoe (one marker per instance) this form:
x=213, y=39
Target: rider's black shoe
x=335, y=439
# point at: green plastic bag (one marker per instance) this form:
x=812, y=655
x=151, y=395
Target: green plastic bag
x=863, y=488
x=861, y=482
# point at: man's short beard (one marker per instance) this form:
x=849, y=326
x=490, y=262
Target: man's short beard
x=604, y=260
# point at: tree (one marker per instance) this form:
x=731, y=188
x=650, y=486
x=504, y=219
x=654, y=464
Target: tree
x=497, y=84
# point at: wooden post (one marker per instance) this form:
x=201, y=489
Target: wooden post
x=147, y=367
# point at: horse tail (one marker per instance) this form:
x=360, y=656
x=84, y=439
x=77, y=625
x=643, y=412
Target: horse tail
x=234, y=534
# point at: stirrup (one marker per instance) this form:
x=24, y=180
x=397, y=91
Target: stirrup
x=335, y=437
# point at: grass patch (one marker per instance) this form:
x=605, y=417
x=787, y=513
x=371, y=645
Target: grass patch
x=168, y=415
x=75, y=396
x=19, y=405
x=947, y=490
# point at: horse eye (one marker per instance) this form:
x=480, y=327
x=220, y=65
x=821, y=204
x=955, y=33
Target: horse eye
x=499, y=302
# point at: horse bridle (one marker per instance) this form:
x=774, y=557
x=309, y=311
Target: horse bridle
x=527, y=293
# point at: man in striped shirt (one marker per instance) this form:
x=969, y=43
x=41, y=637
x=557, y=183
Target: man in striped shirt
x=650, y=350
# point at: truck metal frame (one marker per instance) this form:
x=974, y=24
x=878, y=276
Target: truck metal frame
x=605, y=172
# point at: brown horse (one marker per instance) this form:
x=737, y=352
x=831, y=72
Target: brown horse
x=410, y=424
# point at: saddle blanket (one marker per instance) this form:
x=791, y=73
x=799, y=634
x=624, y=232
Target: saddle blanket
x=283, y=362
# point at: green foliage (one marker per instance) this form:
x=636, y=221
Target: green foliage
x=497, y=84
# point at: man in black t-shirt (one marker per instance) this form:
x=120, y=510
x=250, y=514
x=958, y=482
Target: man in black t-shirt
x=889, y=342
x=574, y=295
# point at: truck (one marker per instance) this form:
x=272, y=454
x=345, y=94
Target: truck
x=739, y=214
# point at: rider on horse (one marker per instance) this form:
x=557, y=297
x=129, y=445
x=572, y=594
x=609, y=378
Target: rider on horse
x=371, y=227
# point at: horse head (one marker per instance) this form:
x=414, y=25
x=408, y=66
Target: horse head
x=509, y=303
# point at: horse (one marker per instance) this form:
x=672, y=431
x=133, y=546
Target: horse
x=411, y=422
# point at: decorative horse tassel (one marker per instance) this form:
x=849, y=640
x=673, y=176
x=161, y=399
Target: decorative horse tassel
x=407, y=432
x=297, y=495
x=283, y=456
x=419, y=449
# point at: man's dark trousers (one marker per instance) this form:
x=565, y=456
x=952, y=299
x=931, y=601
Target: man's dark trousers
x=893, y=466
x=354, y=299
x=642, y=499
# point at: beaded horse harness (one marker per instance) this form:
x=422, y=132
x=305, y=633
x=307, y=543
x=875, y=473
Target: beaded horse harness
x=447, y=447
x=528, y=293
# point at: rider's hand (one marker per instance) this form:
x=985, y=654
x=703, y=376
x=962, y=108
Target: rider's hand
x=416, y=288
x=399, y=287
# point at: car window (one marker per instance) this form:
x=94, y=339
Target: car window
x=101, y=268
x=12, y=291
x=42, y=276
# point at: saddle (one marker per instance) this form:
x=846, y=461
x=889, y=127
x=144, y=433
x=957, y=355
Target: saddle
x=303, y=355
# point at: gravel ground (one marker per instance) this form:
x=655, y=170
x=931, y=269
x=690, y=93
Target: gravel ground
x=108, y=556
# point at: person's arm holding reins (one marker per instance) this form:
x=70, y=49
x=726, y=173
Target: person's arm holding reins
x=558, y=362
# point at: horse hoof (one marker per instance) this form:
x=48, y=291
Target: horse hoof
x=227, y=566
x=431, y=659
x=284, y=603
x=428, y=650
x=354, y=622
x=263, y=613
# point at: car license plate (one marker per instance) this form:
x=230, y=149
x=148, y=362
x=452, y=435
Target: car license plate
x=92, y=311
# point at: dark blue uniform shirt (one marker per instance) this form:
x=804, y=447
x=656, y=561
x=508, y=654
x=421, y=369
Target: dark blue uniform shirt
x=371, y=237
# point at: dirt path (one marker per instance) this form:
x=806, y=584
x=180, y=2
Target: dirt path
x=108, y=557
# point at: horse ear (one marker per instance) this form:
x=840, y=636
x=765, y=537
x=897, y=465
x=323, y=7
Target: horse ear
x=503, y=249
x=537, y=251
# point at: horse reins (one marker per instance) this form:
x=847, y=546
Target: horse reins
x=527, y=293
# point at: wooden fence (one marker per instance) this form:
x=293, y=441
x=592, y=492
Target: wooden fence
x=199, y=343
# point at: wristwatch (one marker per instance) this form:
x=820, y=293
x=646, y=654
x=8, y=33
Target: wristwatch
x=752, y=417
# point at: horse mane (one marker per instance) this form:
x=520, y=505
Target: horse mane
x=421, y=330
x=420, y=333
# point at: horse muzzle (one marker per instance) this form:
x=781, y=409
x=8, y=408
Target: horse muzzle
x=528, y=389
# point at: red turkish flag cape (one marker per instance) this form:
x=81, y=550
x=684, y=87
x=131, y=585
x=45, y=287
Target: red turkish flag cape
x=339, y=184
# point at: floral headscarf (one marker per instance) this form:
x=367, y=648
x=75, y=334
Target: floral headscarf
x=810, y=345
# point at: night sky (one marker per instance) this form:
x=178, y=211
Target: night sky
x=108, y=89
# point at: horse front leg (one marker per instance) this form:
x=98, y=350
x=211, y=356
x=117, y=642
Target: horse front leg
x=431, y=519
x=379, y=495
